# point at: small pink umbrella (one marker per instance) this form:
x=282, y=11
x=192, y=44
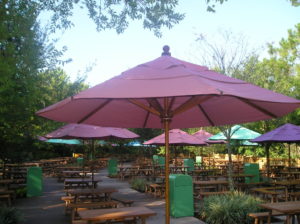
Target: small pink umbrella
x=204, y=136
x=170, y=93
x=85, y=131
x=177, y=137
x=90, y=132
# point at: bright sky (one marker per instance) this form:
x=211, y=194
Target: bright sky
x=261, y=21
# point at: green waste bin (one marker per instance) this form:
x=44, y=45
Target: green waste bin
x=158, y=160
x=253, y=169
x=198, y=160
x=189, y=163
x=79, y=161
x=112, y=167
x=181, y=195
x=34, y=181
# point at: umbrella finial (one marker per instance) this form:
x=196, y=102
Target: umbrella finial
x=166, y=52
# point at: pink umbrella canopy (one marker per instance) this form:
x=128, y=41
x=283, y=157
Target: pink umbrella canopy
x=195, y=95
x=176, y=137
x=84, y=131
x=204, y=136
x=170, y=93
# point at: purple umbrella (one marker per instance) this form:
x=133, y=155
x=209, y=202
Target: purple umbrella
x=287, y=133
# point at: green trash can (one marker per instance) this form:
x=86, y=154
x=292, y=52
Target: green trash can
x=161, y=160
x=155, y=159
x=34, y=181
x=112, y=167
x=189, y=163
x=181, y=195
x=253, y=169
x=79, y=161
x=198, y=160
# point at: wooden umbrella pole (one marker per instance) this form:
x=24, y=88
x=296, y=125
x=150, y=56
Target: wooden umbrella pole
x=167, y=158
x=289, y=156
x=166, y=119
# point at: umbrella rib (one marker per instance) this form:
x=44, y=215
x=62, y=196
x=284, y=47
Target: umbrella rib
x=143, y=106
x=258, y=108
x=155, y=104
x=146, y=119
x=95, y=110
x=206, y=115
x=191, y=103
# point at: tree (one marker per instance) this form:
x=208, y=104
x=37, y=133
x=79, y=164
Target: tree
x=115, y=15
x=211, y=4
x=24, y=56
x=226, y=53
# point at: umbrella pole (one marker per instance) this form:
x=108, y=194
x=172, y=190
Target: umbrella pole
x=167, y=156
x=267, y=146
x=166, y=120
x=289, y=156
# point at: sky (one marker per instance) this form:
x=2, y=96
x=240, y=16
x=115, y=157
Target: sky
x=259, y=21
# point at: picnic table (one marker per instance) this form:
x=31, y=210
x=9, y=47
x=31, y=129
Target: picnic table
x=216, y=185
x=80, y=183
x=111, y=214
x=96, y=194
x=289, y=208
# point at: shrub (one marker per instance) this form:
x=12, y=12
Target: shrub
x=138, y=184
x=229, y=209
x=10, y=215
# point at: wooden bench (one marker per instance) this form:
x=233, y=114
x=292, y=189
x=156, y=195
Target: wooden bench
x=91, y=205
x=259, y=217
x=125, y=202
x=67, y=200
x=156, y=190
x=6, y=198
x=294, y=196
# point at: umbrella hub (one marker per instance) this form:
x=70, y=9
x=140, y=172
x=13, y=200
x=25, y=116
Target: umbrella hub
x=166, y=50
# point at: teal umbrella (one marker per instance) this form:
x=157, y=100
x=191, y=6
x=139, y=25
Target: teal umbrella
x=65, y=141
x=240, y=135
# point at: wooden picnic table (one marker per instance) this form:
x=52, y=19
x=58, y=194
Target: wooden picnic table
x=289, y=208
x=111, y=214
x=289, y=184
x=219, y=185
x=70, y=183
x=100, y=193
x=74, y=174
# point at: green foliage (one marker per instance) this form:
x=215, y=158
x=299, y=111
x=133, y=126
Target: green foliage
x=229, y=209
x=138, y=184
x=28, y=80
x=10, y=215
x=115, y=15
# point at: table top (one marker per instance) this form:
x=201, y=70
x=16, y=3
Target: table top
x=288, y=207
x=115, y=213
x=98, y=190
x=210, y=182
x=6, y=181
x=81, y=180
x=287, y=182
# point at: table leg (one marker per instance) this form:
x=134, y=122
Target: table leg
x=143, y=220
x=269, y=217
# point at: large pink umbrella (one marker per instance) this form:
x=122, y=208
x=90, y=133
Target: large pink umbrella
x=170, y=93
